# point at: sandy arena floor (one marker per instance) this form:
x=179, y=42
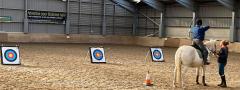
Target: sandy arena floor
x=64, y=67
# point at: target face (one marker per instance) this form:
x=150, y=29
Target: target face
x=97, y=55
x=157, y=54
x=10, y=55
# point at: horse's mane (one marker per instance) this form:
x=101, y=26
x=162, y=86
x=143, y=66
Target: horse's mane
x=210, y=42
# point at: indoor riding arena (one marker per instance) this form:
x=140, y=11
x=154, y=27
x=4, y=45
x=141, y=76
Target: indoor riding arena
x=113, y=44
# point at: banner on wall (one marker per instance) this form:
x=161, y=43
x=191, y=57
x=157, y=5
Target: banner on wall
x=5, y=19
x=46, y=17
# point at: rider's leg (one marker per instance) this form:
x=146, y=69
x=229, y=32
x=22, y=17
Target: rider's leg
x=203, y=50
x=196, y=44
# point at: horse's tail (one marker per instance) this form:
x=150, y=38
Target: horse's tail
x=178, y=64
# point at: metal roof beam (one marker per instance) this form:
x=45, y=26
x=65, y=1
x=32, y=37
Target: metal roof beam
x=228, y=4
x=126, y=4
x=190, y=4
x=154, y=4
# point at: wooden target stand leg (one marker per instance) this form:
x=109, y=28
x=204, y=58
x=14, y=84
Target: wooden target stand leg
x=88, y=53
x=147, y=81
x=1, y=53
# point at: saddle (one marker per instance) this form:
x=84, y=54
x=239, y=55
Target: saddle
x=199, y=51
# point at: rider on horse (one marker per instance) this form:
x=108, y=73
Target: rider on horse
x=198, y=34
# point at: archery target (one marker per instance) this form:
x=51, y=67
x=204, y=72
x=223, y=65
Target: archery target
x=10, y=55
x=97, y=55
x=157, y=54
x=1, y=55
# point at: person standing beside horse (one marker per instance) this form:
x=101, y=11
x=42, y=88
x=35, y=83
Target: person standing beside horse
x=198, y=35
x=222, y=60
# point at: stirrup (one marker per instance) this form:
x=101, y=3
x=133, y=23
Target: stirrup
x=206, y=63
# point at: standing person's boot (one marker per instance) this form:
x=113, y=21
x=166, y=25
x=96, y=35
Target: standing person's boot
x=224, y=82
x=221, y=82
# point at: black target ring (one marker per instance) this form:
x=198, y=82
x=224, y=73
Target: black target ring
x=10, y=55
x=98, y=54
x=157, y=54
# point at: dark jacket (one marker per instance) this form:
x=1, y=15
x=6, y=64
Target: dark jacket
x=198, y=32
x=223, y=55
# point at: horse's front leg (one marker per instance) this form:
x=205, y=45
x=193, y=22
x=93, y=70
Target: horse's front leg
x=203, y=75
x=197, y=72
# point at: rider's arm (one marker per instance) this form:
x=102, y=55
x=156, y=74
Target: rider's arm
x=205, y=28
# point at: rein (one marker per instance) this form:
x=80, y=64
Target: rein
x=210, y=50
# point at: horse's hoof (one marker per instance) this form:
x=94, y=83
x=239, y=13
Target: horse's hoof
x=205, y=85
x=198, y=83
x=174, y=86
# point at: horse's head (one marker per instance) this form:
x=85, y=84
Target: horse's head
x=211, y=46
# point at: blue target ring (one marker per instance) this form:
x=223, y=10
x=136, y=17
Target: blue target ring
x=98, y=54
x=157, y=54
x=10, y=55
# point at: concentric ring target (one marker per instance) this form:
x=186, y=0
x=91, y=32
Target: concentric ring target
x=10, y=55
x=98, y=54
x=157, y=54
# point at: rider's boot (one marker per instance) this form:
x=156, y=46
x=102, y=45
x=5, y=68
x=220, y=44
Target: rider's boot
x=205, y=62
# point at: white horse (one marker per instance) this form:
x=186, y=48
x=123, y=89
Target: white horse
x=187, y=56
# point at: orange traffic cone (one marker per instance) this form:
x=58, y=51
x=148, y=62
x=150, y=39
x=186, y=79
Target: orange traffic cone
x=148, y=81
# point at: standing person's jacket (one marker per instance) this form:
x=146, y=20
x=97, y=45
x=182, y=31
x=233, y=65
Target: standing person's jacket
x=198, y=32
x=223, y=55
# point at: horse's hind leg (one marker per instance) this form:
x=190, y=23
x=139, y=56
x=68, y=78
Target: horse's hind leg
x=203, y=76
x=182, y=76
x=175, y=77
x=197, y=72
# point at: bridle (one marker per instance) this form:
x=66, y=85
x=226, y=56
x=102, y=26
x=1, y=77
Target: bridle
x=211, y=50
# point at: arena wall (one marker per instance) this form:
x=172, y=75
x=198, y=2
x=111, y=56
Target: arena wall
x=86, y=23
x=99, y=39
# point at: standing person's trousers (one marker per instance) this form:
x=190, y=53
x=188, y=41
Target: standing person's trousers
x=221, y=68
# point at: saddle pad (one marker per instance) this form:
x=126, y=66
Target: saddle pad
x=199, y=53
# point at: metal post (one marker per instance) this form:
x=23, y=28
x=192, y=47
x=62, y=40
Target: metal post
x=233, y=29
x=79, y=16
x=161, y=26
x=91, y=19
x=104, y=19
x=146, y=23
x=67, y=25
x=135, y=24
x=114, y=14
x=25, y=27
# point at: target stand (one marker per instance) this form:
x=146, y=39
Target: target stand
x=10, y=55
x=97, y=55
x=157, y=55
